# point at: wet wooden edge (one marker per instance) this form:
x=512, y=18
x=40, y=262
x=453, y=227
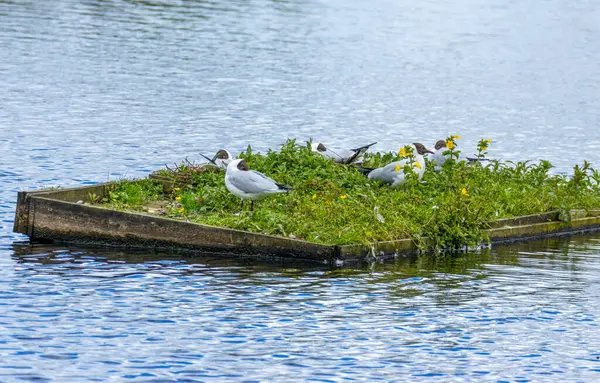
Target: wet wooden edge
x=55, y=215
x=499, y=235
x=82, y=193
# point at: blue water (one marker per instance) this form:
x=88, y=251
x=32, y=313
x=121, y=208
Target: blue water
x=522, y=313
x=101, y=90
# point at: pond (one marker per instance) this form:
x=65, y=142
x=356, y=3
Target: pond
x=103, y=90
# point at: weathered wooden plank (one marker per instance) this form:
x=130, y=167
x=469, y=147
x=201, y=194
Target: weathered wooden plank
x=64, y=221
x=545, y=229
x=504, y=230
x=21, y=222
x=525, y=220
x=54, y=215
x=22, y=219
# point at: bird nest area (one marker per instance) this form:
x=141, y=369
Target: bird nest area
x=337, y=204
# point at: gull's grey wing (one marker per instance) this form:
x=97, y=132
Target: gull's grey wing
x=252, y=181
x=344, y=153
x=388, y=173
x=332, y=155
x=391, y=167
x=338, y=155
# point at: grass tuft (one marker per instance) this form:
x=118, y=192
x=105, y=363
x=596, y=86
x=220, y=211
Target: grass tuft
x=336, y=204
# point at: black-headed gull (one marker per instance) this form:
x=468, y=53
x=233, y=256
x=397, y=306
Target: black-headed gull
x=439, y=158
x=221, y=159
x=341, y=156
x=250, y=184
x=393, y=173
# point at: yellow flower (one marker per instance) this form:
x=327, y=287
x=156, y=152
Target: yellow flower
x=403, y=153
x=180, y=210
x=314, y=196
x=484, y=147
x=418, y=165
x=398, y=168
x=178, y=198
x=450, y=144
x=456, y=137
x=464, y=192
x=343, y=196
x=177, y=189
x=489, y=140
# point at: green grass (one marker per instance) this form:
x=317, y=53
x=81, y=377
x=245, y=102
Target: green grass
x=336, y=204
x=133, y=195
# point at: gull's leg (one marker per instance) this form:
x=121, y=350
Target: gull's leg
x=252, y=205
x=242, y=206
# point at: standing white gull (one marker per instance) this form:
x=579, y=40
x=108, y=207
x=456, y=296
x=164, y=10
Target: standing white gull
x=250, y=184
x=341, y=156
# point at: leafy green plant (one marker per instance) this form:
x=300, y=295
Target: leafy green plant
x=336, y=204
x=133, y=194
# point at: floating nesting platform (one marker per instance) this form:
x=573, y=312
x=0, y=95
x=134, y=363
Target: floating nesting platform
x=69, y=216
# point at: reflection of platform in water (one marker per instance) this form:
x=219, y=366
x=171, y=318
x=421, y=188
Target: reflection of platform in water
x=55, y=215
x=564, y=251
x=53, y=253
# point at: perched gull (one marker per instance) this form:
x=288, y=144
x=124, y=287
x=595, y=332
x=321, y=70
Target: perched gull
x=250, y=184
x=393, y=173
x=439, y=158
x=221, y=159
x=341, y=156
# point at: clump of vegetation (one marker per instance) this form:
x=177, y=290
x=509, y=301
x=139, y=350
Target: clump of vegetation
x=336, y=204
x=133, y=195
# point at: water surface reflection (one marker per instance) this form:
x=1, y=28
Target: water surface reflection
x=98, y=90
x=531, y=306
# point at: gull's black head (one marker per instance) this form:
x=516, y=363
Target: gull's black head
x=242, y=165
x=421, y=149
x=440, y=144
x=222, y=155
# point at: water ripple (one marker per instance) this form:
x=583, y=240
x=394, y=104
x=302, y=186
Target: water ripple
x=167, y=317
x=101, y=90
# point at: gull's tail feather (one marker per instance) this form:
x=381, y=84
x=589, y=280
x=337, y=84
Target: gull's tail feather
x=284, y=188
x=475, y=159
x=357, y=152
x=364, y=147
x=364, y=170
